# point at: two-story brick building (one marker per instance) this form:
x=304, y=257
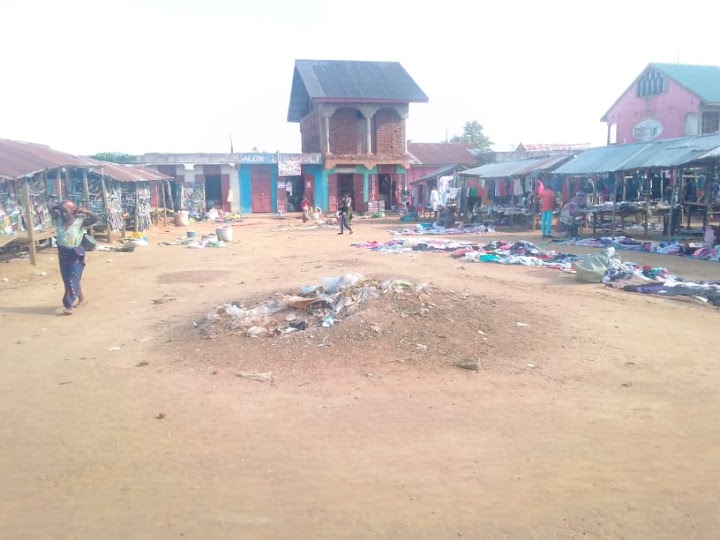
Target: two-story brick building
x=666, y=101
x=353, y=113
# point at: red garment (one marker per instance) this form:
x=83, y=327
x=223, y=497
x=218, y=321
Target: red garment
x=547, y=199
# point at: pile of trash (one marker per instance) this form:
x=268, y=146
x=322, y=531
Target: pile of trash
x=196, y=242
x=323, y=305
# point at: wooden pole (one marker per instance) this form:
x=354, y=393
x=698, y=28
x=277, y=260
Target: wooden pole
x=648, y=188
x=29, y=224
x=106, y=203
x=614, y=201
x=137, y=208
x=162, y=191
x=170, y=196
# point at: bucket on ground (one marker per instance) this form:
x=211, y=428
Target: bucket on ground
x=182, y=218
x=224, y=233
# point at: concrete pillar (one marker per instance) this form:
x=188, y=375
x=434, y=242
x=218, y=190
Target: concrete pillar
x=327, y=135
x=369, y=113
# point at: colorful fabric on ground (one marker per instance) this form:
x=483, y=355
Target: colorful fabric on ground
x=430, y=228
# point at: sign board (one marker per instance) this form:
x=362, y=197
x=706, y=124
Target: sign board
x=647, y=130
x=344, y=170
x=257, y=158
x=289, y=165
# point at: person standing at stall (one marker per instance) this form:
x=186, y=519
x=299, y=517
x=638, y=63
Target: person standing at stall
x=70, y=224
x=547, y=204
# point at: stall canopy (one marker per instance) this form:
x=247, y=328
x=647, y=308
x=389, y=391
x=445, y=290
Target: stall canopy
x=659, y=154
x=518, y=167
x=442, y=171
x=19, y=159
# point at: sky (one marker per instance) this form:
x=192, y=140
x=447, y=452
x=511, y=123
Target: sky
x=183, y=75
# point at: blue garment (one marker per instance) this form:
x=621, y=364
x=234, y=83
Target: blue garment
x=72, y=264
x=546, y=223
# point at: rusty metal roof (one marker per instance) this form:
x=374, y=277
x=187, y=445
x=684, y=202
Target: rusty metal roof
x=649, y=155
x=126, y=173
x=442, y=153
x=19, y=159
x=518, y=167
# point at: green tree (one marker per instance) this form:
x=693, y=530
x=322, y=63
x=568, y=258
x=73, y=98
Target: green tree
x=114, y=157
x=473, y=135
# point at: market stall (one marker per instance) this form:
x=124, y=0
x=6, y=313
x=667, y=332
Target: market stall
x=656, y=183
x=31, y=178
x=505, y=193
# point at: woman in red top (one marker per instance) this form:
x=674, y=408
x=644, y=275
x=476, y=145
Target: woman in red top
x=547, y=202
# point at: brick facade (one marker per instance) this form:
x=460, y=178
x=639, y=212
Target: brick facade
x=310, y=130
x=388, y=132
x=344, y=131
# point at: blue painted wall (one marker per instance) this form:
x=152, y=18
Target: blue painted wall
x=273, y=189
x=322, y=196
x=245, y=189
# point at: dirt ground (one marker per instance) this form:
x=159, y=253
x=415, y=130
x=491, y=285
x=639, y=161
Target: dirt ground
x=597, y=420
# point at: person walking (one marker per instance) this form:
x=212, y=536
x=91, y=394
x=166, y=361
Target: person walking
x=547, y=204
x=70, y=224
x=305, y=207
x=343, y=214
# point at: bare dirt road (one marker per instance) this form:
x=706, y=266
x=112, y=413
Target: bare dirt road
x=612, y=433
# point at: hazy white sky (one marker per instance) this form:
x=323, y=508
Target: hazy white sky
x=180, y=75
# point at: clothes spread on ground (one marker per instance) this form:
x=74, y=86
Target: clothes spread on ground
x=627, y=243
x=431, y=228
x=627, y=276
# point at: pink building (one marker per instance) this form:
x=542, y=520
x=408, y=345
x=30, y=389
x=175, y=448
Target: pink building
x=666, y=101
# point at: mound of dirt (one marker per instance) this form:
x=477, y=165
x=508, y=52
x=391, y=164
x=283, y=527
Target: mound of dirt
x=426, y=327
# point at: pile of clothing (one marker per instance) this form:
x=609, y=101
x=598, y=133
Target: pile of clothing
x=517, y=253
x=407, y=245
x=431, y=228
x=627, y=243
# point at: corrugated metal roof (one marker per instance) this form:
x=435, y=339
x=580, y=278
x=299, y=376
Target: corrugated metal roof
x=625, y=157
x=344, y=80
x=437, y=172
x=701, y=80
x=518, y=167
x=19, y=158
x=442, y=153
x=126, y=173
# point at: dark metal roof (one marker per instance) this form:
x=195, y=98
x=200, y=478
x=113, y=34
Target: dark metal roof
x=649, y=155
x=18, y=159
x=327, y=80
x=518, y=167
x=442, y=153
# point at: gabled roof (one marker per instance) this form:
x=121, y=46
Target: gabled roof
x=442, y=153
x=703, y=81
x=343, y=80
x=19, y=158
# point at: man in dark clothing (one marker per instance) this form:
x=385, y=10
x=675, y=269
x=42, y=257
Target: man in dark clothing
x=344, y=211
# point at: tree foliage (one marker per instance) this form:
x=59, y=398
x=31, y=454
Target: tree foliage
x=474, y=136
x=114, y=157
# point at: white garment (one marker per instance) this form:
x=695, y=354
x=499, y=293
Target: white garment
x=434, y=199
